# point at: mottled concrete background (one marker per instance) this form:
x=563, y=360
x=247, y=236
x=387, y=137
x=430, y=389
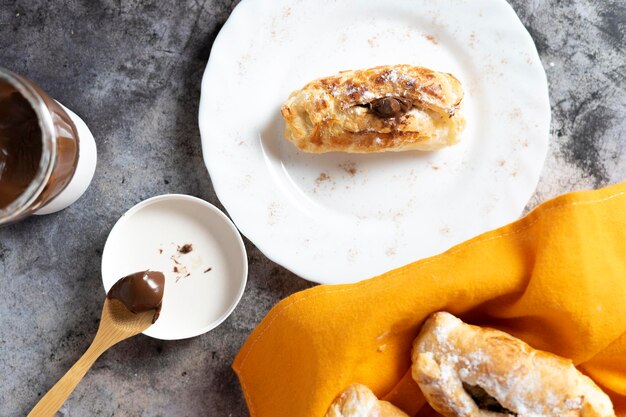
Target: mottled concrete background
x=132, y=69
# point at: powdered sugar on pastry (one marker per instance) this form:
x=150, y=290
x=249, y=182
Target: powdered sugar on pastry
x=469, y=371
x=358, y=401
x=386, y=108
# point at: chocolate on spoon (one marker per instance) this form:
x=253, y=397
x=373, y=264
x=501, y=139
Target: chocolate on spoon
x=140, y=292
x=131, y=306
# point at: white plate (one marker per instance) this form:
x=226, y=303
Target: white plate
x=195, y=299
x=335, y=218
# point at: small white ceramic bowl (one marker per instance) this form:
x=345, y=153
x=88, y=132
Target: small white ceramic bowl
x=202, y=287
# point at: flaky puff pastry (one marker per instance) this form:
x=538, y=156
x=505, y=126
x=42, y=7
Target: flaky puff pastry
x=358, y=401
x=386, y=108
x=460, y=367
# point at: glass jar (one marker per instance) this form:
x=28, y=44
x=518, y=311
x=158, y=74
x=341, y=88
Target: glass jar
x=40, y=151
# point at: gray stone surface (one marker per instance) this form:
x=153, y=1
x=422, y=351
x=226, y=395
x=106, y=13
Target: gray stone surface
x=132, y=70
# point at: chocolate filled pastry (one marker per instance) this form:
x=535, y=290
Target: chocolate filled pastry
x=387, y=108
x=469, y=371
x=358, y=401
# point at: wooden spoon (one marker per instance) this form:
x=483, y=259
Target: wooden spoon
x=116, y=324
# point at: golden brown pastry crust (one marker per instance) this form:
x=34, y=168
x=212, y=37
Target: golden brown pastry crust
x=358, y=401
x=335, y=114
x=526, y=382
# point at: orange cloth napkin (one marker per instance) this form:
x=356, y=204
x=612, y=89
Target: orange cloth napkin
x=556, y=279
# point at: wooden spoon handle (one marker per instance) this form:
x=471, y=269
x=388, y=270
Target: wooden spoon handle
x=116, y=324
x=54, y=399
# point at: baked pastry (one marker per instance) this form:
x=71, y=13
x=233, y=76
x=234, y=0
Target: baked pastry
x=358, y=401
x=387, y=108
x=469, y=371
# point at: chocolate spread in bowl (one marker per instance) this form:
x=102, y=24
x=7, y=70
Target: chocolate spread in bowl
x=141, y=291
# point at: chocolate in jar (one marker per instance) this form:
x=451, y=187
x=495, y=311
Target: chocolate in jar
x=20, y=145
x=38, y=148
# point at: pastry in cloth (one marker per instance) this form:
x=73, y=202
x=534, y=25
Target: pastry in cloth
x=386, y=108
x=470, y=371
x=555, y=279
x=359, y=401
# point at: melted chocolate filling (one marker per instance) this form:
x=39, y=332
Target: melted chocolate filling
x=389, y=107
x=485, y=401
x=141, y=291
